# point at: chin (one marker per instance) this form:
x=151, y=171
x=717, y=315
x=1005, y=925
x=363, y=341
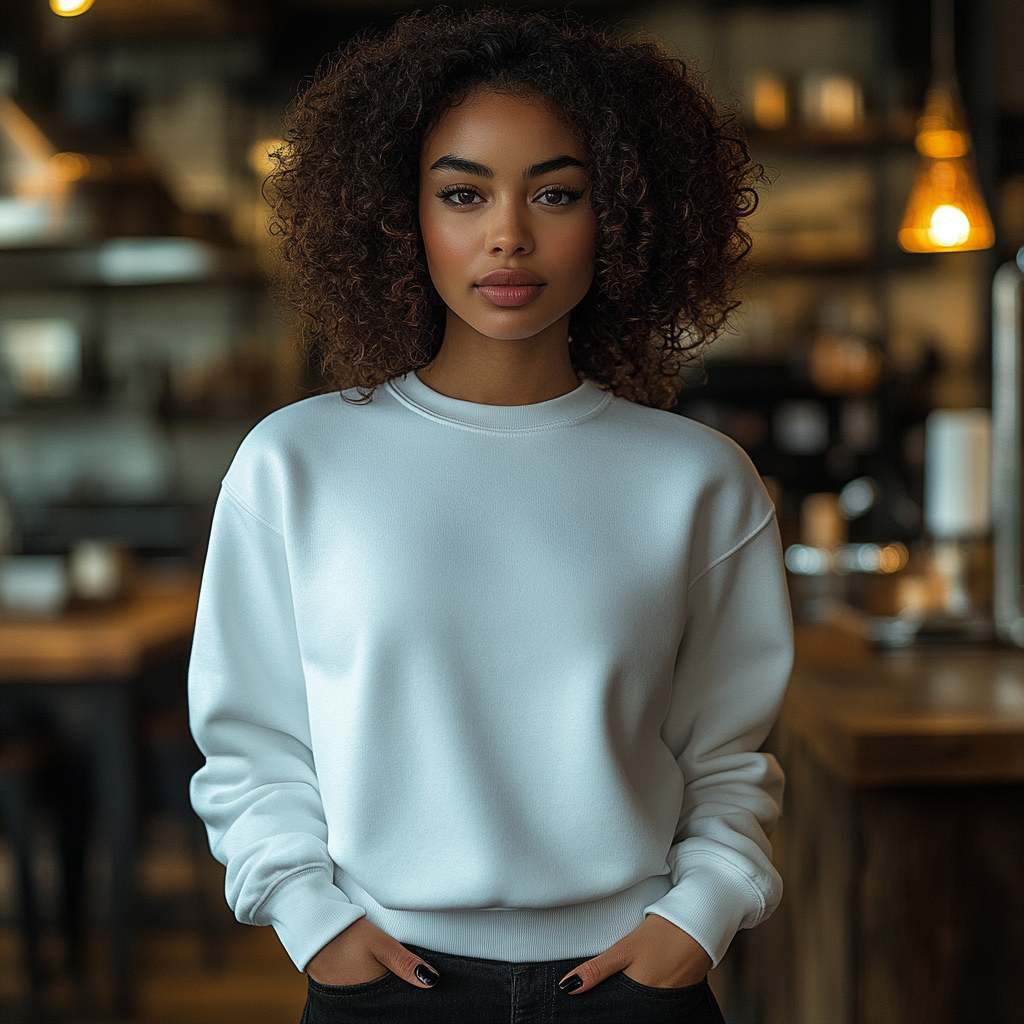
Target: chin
x=513, y=328
x=510, y=334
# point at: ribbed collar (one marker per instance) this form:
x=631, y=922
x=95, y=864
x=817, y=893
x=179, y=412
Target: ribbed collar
x=566, y=410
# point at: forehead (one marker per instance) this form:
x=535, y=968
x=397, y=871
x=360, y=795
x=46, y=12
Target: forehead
x=492, y=127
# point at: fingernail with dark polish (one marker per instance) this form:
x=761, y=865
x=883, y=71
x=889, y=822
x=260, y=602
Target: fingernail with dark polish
x=426, y=975
x=570, y=984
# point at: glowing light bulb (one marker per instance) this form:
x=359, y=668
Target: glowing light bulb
x=70, y=8
x=946, y=209
x=949, y=226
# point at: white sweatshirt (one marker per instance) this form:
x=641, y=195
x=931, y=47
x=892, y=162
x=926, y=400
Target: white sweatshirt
x=493, y=676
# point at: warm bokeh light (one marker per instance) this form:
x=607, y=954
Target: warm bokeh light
x=70, y=8
x=770, y=103
x=260, y=159
x=69, y=166
x=946, y=211
x=893, y=557
x=844, y=365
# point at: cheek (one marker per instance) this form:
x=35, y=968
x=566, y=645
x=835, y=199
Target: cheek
x=575, y=249
x=444, y=245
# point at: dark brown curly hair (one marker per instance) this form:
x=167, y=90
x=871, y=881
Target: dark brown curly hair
x=671, y=180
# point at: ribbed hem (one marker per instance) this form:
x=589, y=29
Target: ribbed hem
x=518, y=936
x=710, y=903
x=307, y=911
x=565, y=411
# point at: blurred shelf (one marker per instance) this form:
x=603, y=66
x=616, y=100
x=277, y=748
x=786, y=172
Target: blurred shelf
x=810, y=268
x=894, y=259
x=129, y=262
x=168, y=529
x=873, y=133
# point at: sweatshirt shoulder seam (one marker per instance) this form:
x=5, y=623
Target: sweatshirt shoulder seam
x=244, y=507
x=732, y=551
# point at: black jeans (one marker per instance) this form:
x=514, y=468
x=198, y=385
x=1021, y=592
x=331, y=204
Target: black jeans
x=475, y=991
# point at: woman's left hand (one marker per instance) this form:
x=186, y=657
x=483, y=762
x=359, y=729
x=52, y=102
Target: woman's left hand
x=655, y=953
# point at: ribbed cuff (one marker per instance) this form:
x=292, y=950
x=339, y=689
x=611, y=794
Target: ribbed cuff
x=307, y=910
x=709, y=903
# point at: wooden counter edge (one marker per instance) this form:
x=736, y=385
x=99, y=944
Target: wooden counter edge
x=865, y=750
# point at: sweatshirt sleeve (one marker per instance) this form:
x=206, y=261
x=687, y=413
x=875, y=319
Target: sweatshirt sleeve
x=730, y=676
x=258, y=791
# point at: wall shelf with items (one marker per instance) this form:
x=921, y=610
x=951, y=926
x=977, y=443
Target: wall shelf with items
x=834, y=199
x=130, y=369
x=127, y=262
x=843, y=343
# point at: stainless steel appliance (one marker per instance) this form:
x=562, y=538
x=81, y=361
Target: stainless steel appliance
x=1008, y=448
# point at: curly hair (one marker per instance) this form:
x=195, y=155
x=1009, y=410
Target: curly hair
x=671, y=180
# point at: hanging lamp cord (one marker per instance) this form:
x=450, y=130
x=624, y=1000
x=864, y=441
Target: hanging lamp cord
x=943, y=67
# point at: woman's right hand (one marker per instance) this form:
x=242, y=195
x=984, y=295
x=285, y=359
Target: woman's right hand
x=363, y=952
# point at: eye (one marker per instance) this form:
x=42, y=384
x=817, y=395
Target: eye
x=559, y=197
x=459, y=195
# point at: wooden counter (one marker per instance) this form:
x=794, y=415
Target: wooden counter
x=901, y=843
x=908, y=717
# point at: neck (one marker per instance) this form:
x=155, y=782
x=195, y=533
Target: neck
x=491, y=371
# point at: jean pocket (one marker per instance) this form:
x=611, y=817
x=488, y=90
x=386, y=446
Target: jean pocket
x=694, y=991
x=320, y=989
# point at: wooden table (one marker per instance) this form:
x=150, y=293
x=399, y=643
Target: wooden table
x=113, y=641
x=901, y=843
x=81, y=667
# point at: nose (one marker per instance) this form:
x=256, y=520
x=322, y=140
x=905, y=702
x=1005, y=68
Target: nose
x=508, y=231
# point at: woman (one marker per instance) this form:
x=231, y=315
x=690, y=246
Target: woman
x=487, y=643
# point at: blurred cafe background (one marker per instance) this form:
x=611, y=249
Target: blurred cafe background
x=873, y=374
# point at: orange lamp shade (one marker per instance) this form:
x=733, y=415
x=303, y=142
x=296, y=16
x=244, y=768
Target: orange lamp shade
x=946, y=211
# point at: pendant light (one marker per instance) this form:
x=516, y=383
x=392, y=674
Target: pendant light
x=70, y=8
x=35, y=181
x=946, y=211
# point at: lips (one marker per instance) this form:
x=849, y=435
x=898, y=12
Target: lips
x=510, y=287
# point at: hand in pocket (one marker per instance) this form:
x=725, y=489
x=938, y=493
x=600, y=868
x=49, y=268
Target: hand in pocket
x=656, y=954
x=363, y=952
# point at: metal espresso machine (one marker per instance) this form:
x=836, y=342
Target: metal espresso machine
x=1008, y=448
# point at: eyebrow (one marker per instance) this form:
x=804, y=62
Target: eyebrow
x=464, y=166
x=551, y=165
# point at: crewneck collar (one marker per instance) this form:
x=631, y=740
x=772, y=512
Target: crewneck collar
x=581, y=404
